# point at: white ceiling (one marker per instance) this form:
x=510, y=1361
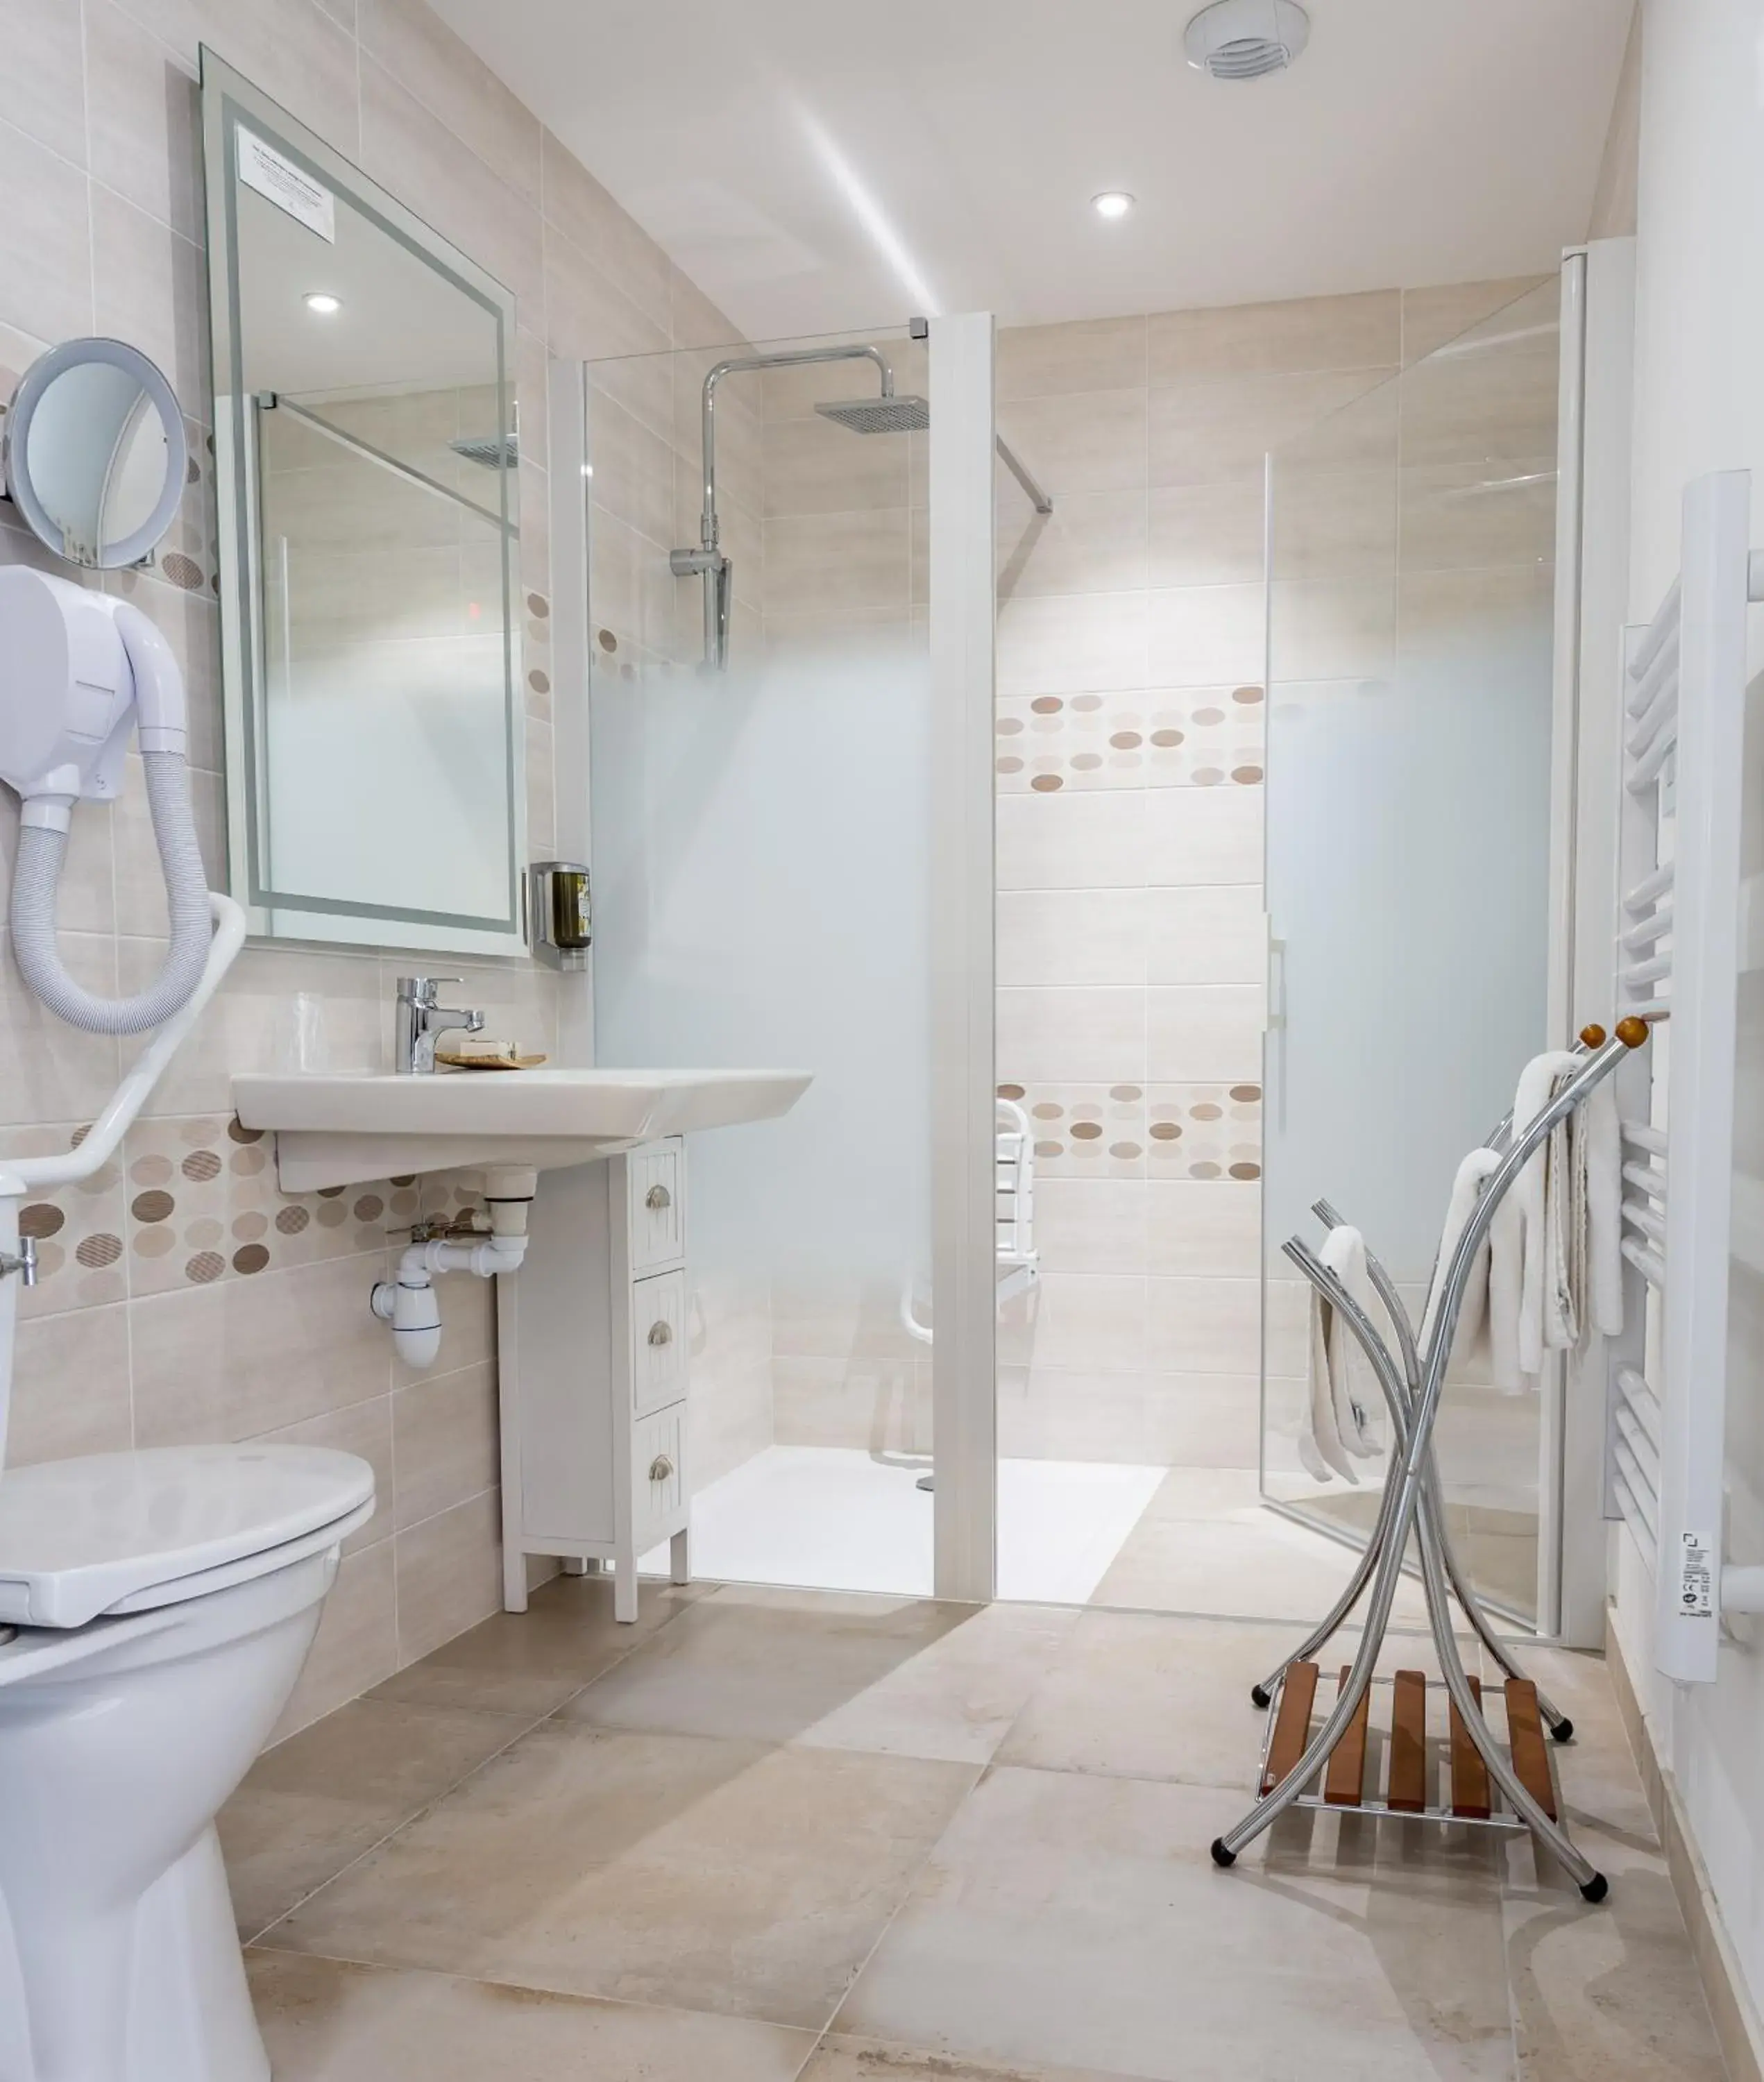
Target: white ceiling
x=817, y=165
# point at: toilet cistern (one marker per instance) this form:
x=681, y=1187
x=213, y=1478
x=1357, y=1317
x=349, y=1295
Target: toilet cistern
x=421, y=1019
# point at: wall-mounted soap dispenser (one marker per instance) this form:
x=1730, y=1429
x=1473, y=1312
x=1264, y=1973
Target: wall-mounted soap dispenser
x=559, y=923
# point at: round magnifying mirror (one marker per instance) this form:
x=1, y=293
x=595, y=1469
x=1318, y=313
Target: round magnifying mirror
x=94, y=452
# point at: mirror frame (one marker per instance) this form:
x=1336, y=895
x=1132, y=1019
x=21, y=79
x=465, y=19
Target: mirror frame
x=34, y=385
x=227, y=100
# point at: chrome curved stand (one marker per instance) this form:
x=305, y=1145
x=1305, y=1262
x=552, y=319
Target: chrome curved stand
x=1412, y=1390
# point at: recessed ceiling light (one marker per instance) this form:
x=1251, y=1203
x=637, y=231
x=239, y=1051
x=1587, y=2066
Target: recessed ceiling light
x=322, y=302
x=1112, y=202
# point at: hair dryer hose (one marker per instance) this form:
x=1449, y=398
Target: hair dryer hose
x=35, y=880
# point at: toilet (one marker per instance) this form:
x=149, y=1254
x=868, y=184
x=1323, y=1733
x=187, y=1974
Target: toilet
x=155, y=1610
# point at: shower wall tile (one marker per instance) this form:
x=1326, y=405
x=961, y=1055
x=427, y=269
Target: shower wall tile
x=827, y=562
x=1090, y=1320
x=1213, y=1326
x=1217, y=429
x=813, y=466
x=417, y=48
x=1175, y=737
x=1092, y=542
x=1200, y=635
x=1071, y=840
x=882, y=1405
x=1198, y=1230
x=1085, y=355
x=1432, y=316
x=1333, y=630
x=1090, y=440
x=1071, y=643
x=1362, y=331
x=1052, y=937
x=1195, y=1033
x=1206, y=934
x=1334, y=523
x=1092, y=1224
x=1455, y=516
x=1212, y=834
x=793, y=394
x=1207, y=534
x=1046, y=1036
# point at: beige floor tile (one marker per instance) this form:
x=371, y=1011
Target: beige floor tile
x=325, y=2021
x=693, y=1873
x=838, y=2058
x=1079, y=1921
x=1608, y=1994
x=529, y=1663
x=1597, y=1771
x=320, y=1799
x=903, y=1677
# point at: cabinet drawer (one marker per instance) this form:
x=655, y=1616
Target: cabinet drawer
x=658, y=1475
x=656, y=1181
x=658, y=1342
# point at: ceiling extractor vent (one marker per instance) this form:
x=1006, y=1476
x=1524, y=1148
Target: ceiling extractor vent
x=1244, y=39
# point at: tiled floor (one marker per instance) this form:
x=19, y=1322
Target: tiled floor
x=773, y=1835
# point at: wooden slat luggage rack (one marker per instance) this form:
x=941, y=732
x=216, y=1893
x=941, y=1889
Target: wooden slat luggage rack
x=1493, y=1784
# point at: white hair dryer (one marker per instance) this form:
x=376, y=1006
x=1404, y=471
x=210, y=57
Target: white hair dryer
x=78, y=671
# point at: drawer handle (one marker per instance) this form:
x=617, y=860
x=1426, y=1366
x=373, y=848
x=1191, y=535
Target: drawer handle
x=660, y=1334
x=660, y=1468
x=657, y=1198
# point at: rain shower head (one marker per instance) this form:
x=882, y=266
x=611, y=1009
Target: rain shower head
x=890, y=415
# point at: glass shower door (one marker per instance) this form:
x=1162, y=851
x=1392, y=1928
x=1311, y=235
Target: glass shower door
x=1410, y=609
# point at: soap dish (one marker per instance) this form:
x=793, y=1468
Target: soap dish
x=487, y=1055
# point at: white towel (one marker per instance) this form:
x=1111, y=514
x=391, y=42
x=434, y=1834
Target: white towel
x=1471, y=1356
x=1522, y=1212
x=1345, y=1399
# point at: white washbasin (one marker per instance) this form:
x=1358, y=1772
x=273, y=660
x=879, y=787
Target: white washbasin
x=345, y=1131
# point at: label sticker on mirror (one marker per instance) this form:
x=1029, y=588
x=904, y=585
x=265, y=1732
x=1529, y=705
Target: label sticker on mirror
x=290, y=187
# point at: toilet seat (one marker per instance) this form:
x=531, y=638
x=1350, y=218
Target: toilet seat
x=129, y=1532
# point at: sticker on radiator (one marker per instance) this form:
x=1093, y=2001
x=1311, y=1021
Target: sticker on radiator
x=1696, y=1576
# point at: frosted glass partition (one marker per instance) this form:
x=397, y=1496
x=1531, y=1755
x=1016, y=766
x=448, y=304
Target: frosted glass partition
x=759, y=856
x=1411, y=620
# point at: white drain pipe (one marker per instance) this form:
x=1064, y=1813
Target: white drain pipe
x=409, y=1301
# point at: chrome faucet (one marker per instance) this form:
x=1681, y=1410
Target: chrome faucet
x=420, y=1019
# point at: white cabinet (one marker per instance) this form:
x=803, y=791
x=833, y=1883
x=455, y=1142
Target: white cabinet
x=591, y=1345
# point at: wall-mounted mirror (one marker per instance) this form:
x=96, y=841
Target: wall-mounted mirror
x=365, y=439
x=94, y=452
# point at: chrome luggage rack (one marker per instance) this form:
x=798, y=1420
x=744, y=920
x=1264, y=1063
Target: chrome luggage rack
x=1499, y=1784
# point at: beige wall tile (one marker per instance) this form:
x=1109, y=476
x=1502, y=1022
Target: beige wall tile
x=822, y=562
x=793, y=394
x=1092, y=542
x=1088, y=354
x=1433, y=317
x=58, y=1074
x=416, y=154
x=1071, y=643
x=1197, y=636
x=150, y=291
x=1090, y=1225
x=356, y=1645
x=884, y=1407
x=244, y=1356
x=1206, y=933
x=1333, y=524
x=425, y=56
x=1095, y=1321
x=43, y=89
x=45, y=240
x=1072, y=937
x=1196, y=1032
x=1207, y=534
x=140, y=888
x=1215, y=429
x=304, y=55
x=70, y=1391
x=363, y=1428
x=145, y=114
x=1209, y=1229
x=1076, y=841
x=575, y=202
x=1455, y=516
x=814, y=466
x=730, y=1418
x=1362, y=331
x=1213, y=1326
x=86, y=894
x=1050, y=1035
x=634, y=471
x=444, y=1439
x=1203, y=1420
x=1197, y=835
x=449, y=1575
x=1079, y=441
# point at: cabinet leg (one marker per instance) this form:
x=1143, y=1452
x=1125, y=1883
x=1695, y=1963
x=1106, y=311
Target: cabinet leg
x=625, y=1590
x=513, y=1579
x=680, y=1556
x=574, y=1565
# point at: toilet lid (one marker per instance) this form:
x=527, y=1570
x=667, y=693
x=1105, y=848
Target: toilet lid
x=81, y=1537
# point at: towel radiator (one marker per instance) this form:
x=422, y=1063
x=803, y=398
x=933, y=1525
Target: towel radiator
x=1677, y=957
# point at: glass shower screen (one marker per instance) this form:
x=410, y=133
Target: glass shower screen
x=1410, y=625
x=760, y=840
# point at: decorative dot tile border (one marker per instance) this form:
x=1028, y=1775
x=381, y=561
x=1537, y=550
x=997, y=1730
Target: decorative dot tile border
x=194, y=1200
x=1194, y=737
x=1201, y=1132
